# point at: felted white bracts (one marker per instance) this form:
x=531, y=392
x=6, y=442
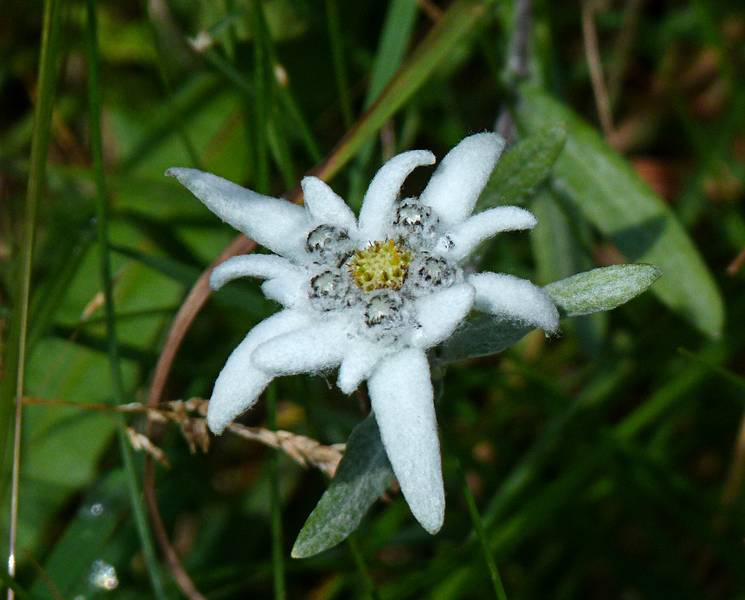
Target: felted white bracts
x=371, y=295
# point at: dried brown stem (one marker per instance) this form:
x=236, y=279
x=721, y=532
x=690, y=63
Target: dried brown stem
x=179, y=574
x=180, y=325
x=189, y=415
x=303, y=450
x=592, y=55
x=185, y=316
x=622, y=49
x=734, y=267
x=733, y=484
x=433, y=12
x=141, y=443
x=518, y=64
x=51, y=586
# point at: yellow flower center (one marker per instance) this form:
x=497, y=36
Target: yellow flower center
x=380, y=265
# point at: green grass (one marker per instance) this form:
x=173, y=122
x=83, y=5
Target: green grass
x=102, y=225
x=600, y=463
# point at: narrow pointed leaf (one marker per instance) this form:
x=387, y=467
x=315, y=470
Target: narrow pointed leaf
x=611, y=196
x=482, y=335
x=363, y=476
x=601, y=289
x=560, y=250
x=457, y=22
x=523, y=167
x=585, y=293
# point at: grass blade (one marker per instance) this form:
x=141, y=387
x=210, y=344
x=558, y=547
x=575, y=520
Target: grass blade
x=478, y=527
x=399, y=22
x=359, y=561
x=455, y=25
x=39, y=147
x=168, y=89
x=278, y=565
x=337, y=55
x=397, y=28
x=94, y=108
x=261, y=98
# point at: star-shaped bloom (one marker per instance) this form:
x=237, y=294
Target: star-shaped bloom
x=370, y=295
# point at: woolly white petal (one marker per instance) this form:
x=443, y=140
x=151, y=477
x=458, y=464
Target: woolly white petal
x=401, y=398
x=376, y=214
x=277, y=224
x=325, y=206
x=290, y=289
x=359, y=361
x=463, y=239
x=261, y=266
x=456, y=184
x=440, y=313
x=311, y=349
x=239, y=384
x=514, y=298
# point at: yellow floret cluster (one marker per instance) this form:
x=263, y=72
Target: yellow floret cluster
x=380, y=265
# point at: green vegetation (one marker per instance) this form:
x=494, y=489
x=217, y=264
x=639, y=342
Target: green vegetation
x=608, y=461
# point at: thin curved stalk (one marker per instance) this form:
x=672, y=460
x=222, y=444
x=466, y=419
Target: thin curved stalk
x=46, y=84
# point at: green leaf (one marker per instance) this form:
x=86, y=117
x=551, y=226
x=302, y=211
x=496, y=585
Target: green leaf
x=523, y=167
x=363, y=476
x=93, y=533
x=601, y=289
x=608, y=193
x=560, y=245
x=482, y=335
x=581, y=294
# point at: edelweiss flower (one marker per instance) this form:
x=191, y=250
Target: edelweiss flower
x=371, y=295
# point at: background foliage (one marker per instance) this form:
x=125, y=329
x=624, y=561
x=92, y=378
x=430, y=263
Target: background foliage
x=605, y=463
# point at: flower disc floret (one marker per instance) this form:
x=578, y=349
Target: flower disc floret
x=429, y=272
x=328, y=290
x=414, y=220
x=383, y=310
x=381, y=265
x=328, y=242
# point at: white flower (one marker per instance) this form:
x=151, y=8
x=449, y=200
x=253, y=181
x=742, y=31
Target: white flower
x=371, y=295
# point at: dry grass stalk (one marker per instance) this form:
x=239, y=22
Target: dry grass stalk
x=303, y=450
x=190, y=415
